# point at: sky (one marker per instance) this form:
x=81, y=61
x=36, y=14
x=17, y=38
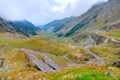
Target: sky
x=40, y=12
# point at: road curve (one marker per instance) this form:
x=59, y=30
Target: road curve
x=100, y=60
x=46, y=58
x=41, y=65
x=108, y=37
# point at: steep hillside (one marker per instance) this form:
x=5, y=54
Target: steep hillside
x=99, y=16
x=112, y=31
x=21, y=27
x=5, y=27
x=73, y=21
x=24, y=27
x=60, y=27
x=102, y=15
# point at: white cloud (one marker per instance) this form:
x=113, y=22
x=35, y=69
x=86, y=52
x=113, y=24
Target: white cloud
x=62, y=5
x=43, y=11
x=11, y=10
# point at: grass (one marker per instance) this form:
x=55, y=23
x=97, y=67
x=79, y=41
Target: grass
x=18, y=59
x=46, y=46
x=79, y=55
x=54, y=37
x=19, y=73
x=19, y=63
x=114, y=33
x=80, y=74
x=58, y=59
x=108, y=53
x=91, y=72
x=39, y=43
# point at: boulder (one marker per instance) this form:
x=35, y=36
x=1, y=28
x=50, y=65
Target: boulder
x=117, y=64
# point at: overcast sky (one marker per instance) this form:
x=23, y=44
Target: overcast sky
x=43, y=11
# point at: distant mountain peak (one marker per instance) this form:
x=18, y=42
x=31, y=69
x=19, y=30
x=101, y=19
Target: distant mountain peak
x=23, y=27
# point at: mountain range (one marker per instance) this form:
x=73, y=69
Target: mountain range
x=85, y=47
x=100, y=15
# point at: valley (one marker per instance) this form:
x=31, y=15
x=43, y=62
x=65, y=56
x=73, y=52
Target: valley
x=85, y=47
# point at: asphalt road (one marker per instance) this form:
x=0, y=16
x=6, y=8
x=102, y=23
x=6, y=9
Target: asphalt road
x=46, y=58
x=41, y=65
x=108, y=37
x=100, y=60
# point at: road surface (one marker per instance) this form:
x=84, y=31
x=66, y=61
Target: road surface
x=41, y=65
x=47, y=59
x=100, y=60
x=108, y=37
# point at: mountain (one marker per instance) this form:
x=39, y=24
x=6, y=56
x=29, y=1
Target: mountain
x=66, y=27
x=95, y=56
x=60, y=27
x=21, y=27
x=99, y=16
x=5, y=27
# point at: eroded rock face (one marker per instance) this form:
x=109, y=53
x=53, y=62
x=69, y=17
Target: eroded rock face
x=93, y=39
x=97, y=38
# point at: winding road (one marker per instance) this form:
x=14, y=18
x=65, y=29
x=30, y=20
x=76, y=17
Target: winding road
x=100, y=60
x=108, y=37
x=41, y=65
x=46, y=58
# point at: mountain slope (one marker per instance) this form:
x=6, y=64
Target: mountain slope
x=73, y=22
x=5, y=27
x=24, y=27
x=99, y=16
x=60, y=27
x=105, y=14
x=21, y=27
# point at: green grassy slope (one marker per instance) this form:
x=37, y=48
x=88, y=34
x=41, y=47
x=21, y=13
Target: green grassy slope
x=91, y=72
x=39, y=43
x=114, y=33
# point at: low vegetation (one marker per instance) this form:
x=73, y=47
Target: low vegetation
x=39, y=43
x=22, y=68
x=90, y=72
x=108, y=53
x=79, y=55
x=114, y=33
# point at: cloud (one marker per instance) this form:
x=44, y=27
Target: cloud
x=11, y=11
x=43, y=11
x=62, y=5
